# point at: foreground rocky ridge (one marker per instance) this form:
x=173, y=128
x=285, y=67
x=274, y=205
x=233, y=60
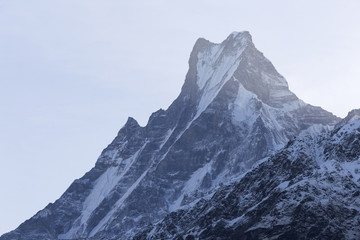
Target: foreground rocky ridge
x=234, y=110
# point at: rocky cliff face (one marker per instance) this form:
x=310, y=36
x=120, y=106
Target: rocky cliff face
x=234, y=110
x=308, y=190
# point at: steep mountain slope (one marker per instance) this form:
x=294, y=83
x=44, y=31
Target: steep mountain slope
x=234, y=109
x=308, y=190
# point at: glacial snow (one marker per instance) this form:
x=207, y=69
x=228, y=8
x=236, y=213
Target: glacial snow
x=215, y=66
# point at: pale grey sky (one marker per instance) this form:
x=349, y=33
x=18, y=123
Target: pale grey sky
x=72, y=71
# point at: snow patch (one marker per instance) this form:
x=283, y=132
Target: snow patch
x=102, y=187
x=244, y=107
x=315, y=129
x=191, y=185
x=283, y=185
x=117, y=205
x=216, y=65
x=166, y=138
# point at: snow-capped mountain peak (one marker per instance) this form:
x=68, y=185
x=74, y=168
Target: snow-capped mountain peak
x=234, y=110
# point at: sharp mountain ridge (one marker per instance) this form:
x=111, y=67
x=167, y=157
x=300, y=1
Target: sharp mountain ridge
x=234, y=118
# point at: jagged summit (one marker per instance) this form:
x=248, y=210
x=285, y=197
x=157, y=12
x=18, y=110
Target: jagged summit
x=212, y=66
x=131, y=122
x=234, y=110
x=238, y=74
x=234, y=40
x=213, y=54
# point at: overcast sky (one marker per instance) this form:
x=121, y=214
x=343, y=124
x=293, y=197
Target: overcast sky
x=72, y=71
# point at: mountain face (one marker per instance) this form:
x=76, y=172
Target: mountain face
x=308, y=190
x=218, y=161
